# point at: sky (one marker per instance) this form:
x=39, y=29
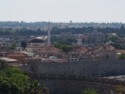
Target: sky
x=63, y=10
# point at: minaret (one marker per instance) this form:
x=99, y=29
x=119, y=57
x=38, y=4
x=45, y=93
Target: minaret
x=49, y=37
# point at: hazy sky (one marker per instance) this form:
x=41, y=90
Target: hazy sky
x=63, y=10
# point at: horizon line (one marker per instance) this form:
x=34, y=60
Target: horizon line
x=70, y=21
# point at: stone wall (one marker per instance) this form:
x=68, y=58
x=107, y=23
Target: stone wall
x=85, y=68
x=68, y=78
x=73, y=85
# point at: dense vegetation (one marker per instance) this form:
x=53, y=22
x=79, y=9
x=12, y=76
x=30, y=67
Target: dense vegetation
x=121, y=56
x=89, y=91
x=38, y=31
x=64, y=47
x=89, y=30
x=15, y=81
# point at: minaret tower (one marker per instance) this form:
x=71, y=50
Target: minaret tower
x=49, y=36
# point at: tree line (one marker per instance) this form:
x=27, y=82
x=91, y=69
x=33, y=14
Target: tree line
x=55, y=30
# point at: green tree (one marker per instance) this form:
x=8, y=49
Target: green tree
x=36, y=88
x=120, y=89
x=89, y=91
x=64, y=47
x=13, y=78
x=3, y=65
x=13, y=46
x=121, y=56
x=23, y=44
x=15, y=81
x=112, y=38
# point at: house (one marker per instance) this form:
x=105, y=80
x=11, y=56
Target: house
x=49, y=51
x=9, y=61
x=78, y=53
x=22, y=58
x=105, y=52
x=121, y=52
x=96, y=37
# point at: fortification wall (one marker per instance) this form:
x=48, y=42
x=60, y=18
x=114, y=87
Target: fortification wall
x=68, y=78
x=84, y=68
x=75, y=87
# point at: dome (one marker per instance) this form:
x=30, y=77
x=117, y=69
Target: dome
x=36, y=41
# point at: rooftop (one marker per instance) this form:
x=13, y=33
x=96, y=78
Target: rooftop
x=7, y=59
x=120, y=78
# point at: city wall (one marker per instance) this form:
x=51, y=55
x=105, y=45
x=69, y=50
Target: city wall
x=84, y=68
x=72, y=78
x=63, y=84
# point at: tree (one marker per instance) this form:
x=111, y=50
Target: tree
x=13, y=46
x=8, y=87
x=36, y=88
x=89, y=91
x=15, y=81
x=120, y=89
x=121, y=56
x=3, y=65
x=112, y=38
x=23, y=44
x=64, y=47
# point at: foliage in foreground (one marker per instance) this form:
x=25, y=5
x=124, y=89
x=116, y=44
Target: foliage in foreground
x=89, y=91
x=14, y=81
x=120, y=89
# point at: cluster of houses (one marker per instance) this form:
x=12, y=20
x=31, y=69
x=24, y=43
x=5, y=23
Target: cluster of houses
x=38, y=49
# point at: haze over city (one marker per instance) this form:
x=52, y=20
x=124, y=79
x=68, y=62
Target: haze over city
x=63, y=10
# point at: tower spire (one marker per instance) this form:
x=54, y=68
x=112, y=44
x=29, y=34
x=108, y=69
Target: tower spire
x=49, y=36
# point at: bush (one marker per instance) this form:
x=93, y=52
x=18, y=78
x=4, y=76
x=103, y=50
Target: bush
x=89, y=91
x=14, y=81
